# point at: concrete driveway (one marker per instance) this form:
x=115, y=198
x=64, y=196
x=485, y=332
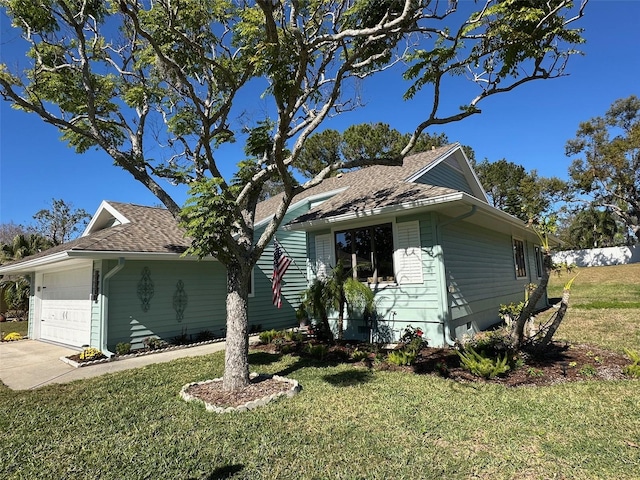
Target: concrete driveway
x=29, y=364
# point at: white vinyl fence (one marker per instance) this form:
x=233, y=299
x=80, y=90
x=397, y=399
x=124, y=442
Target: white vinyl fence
x=598, y=257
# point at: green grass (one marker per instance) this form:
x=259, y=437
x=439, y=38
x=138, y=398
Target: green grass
x=603, y=306
x=347, y=423
x=19, y=327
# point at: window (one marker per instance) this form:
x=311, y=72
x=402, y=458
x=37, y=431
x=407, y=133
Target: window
x=518, y=256
x=539, y=261
x=368, y=251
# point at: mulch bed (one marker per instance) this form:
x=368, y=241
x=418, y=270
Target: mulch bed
x=561, y=363
x=259, y=387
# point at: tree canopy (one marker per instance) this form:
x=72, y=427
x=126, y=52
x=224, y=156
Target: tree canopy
x=591, y=228
x=160, y=85
x=61, y=221
x=607, y=167
x=365, y=140
x=522, y=194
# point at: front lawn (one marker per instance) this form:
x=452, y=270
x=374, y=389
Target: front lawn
x=18, y=327
x=347, y=423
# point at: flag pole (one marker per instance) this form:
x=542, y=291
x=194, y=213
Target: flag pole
x=292, y=259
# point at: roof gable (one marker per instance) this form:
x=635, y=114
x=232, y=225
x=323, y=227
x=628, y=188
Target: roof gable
x=436, y=173
x=106, y=216
x=452, y=170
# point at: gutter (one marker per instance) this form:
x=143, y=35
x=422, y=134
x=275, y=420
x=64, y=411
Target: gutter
x=105, y=306
x=446, y=323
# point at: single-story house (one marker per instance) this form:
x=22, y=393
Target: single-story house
x=422, y=235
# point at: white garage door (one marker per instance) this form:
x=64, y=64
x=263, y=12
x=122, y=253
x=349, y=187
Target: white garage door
x=66, y=307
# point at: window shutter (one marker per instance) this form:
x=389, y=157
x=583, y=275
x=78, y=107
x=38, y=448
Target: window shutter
x=408, y=254
x=324, y=255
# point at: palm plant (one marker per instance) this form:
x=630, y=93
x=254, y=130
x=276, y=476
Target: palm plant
x=16, y=293
x=593, y=228
x=16, y=290
x=337, y=292
x=23, y=245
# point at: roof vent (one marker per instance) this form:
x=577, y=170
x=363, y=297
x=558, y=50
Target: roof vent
x=433, y=147
x=339, y=175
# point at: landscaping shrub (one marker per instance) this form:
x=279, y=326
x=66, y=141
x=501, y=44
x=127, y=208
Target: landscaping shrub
x=123, y=348
x=317, y=351
x=291, y=336
x=413, y=339
x=269, y=336
x=481, y=364
x=403, y=357
x=91, y=353
x=205, y=336
x=493, y=343
x=632, y=370
x=181, y=339
x=359, y=355
x=154, y=343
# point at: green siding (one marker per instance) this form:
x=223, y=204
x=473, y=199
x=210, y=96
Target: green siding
x=398, y=306
x=417, y=305
x=204, y=283
x=263, y=314
x=443, y=175
x=480, y=275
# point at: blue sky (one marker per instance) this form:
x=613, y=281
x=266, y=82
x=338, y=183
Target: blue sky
x=528, y=126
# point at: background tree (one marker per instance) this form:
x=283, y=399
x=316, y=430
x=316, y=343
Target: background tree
x=128, y=76
x=60, y=222
x=15, y=290
x=609, y=164
x=365, y=140
x=8, y=232
x=23, y=245
x=591, y=228
x=520, y=193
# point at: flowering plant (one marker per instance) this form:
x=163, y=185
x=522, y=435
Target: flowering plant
x=413, y=337
x=91, y=353
x=9, y=337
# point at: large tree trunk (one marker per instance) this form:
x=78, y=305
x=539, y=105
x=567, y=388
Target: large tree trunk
x=236, y=359
x=519, y=326
x=564, y=304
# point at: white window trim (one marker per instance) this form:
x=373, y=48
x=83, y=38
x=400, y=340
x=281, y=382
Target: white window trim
x=416, y=278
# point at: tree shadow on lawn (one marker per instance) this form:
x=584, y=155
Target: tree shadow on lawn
x=227, y=471
x=333, y=359
x=349, y=378
x=264, y=358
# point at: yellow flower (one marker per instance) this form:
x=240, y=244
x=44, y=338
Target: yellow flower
x=12, y=336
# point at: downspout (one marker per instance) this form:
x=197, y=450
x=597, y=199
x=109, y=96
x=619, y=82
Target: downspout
x=446, y=323
x=105, y=305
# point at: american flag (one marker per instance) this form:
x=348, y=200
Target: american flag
x=280, y=264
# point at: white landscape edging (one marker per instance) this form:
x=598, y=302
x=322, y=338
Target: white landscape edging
x=295, y=388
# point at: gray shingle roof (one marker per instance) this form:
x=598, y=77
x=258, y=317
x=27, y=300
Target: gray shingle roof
x=154, y=230
x=151, y=230
x=367, y=188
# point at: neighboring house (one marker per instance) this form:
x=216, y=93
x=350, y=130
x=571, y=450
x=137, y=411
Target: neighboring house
x=422, y=235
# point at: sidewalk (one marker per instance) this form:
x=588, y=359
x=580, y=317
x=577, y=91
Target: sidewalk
x=29, y=364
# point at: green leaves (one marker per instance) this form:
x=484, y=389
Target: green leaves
x=609, y=159
x=509, y=38
x=208, y=217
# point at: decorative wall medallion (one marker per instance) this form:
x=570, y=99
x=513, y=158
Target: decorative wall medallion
x=180, y=300
x=145, y=289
